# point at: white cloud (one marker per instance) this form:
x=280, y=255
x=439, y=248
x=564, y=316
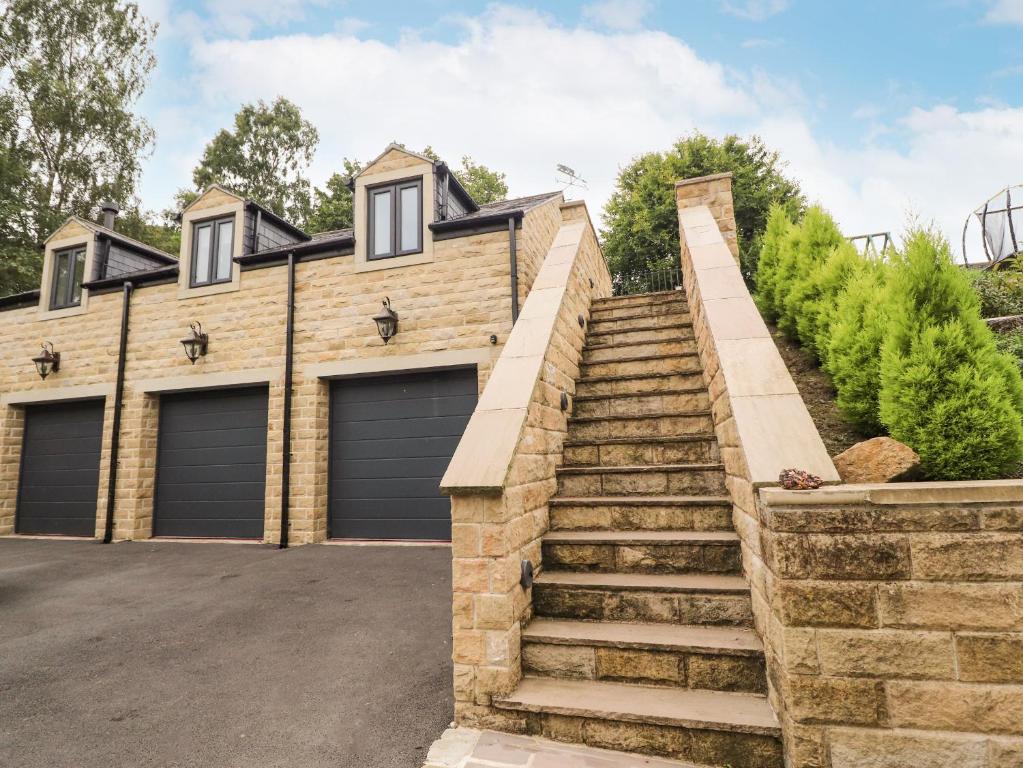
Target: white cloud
x=755, y=10
x=520, y=92
x=517, y=92
x=618, y=14
x=1005, y=12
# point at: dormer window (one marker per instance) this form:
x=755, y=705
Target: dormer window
x=395, y=219
x=68, y=273
x=212, y=248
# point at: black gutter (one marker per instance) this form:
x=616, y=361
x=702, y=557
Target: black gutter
x=166, y=274
x=471, y=221
x=513, y=255
x=289, y=348
x=115, y=438
x=298, y=249
x=23, y=299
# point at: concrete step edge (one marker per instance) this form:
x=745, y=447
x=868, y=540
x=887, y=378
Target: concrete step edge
x=656, y=393
x=659, y=415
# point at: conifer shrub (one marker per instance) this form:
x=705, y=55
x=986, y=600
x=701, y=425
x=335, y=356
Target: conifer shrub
x=775, y=234
x=842, y=266
x=946, y=390
x=802, y=259
x=853, y=356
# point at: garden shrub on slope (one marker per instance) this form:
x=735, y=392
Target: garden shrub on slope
x=818, y=237
x=853, y=356
x=946, y=390
x=775, y=234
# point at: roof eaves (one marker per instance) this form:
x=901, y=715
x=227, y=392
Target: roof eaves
x=138, y=278
x=343, y=239
x=23, y=299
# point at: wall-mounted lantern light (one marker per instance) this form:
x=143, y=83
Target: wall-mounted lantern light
x=387, y=321
x=195, y=343
x=48, y=361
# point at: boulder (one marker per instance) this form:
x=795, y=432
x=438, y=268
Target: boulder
x=878, y=460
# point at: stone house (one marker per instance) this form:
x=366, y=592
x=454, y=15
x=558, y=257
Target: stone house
x=200, y=446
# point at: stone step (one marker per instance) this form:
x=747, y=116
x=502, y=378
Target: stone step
x=619, y=452
x=615, y=551
x=687, y=362
x=648, y=425
x=694, y=398
x=639, y=319
x=631, y=349
x=711, y=728
x=647, y=333
x=671, y=479
x=632, y=384
x=629, y=311
x=638, y=299
x=640, y=513
x=662, y=598
x=710, y=658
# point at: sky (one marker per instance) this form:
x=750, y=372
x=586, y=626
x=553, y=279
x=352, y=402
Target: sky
x=885, y=112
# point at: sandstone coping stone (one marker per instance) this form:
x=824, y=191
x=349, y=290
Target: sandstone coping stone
x=775, y=430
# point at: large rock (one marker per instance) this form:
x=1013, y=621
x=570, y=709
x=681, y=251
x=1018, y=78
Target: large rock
x=878, y=460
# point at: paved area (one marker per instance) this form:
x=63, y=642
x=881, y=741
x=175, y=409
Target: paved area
x=187, y=655
x=469, y=748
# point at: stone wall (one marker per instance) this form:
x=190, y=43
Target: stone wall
x=502, y=474
x=448, y=310
x=890, y=615
x=897, y=623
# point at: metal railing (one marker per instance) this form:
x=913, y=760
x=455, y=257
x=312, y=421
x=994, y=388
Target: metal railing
x=647, y=281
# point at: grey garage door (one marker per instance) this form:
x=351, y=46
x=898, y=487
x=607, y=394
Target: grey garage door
x=392, y=437
x=60, y=468
x=211, y=464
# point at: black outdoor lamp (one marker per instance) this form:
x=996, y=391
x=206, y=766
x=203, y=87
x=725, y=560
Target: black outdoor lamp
x=387, y=321
x=48, y=361
x=195, y=343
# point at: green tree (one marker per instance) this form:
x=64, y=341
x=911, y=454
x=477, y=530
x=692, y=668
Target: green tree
x=482, y=184
x=946, y=390
x=332, y=205
x=641, y=220
x=159, y=231
x=265, y=158
x=70, y=74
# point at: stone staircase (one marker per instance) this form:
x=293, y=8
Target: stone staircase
x=641, y=638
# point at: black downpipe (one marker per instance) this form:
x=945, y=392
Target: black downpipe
x=514, y=269
x=115, y=439
x=289, y=346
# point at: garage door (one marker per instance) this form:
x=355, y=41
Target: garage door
x=60, y=469
x=392, y=438
x=211, y=464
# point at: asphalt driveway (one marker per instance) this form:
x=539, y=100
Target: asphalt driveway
x=222, y=655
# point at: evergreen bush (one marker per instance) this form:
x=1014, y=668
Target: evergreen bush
x=946, y=390
x=775, y=234
x=794, y=291
x=853, y=356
